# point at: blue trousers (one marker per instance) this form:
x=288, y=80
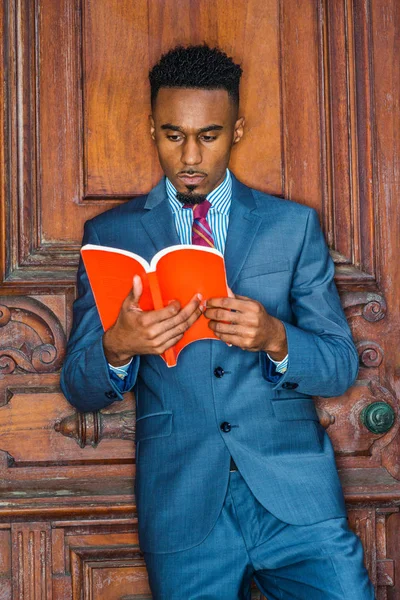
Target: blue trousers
x=323, y=561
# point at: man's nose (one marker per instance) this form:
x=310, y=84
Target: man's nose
x=191, y=153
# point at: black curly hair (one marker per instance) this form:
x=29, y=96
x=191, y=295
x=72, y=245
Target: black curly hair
x=196, y=67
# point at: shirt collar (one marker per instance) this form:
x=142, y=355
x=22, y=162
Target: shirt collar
x=219, y=198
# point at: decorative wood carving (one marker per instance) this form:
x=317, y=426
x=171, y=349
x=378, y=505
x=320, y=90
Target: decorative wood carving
x=106, y=562
x=31, y=561
x=347, y=91
x=385, y=564
x=349, y=435
x=5, y=563
x=91, y=428
x=371, y=306
x=43, y=143
x=32, y=339
x=363, y=523
x=321, y=101
x=107, y=573
x=33, y=441
x=100, y=558
x=85, y=103
x=390, y=550
x=391, y=452
x=373, y=526
x=370, y=353
x=325, y=418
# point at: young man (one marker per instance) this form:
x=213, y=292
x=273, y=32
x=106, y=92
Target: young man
x=236, y=477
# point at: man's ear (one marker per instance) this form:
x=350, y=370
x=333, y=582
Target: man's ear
x=238, y=130
x=152, y=128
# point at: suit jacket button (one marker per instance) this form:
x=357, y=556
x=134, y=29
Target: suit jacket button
x=219, y=372
x=226, y=427
x=288, y=385
x=111, y=395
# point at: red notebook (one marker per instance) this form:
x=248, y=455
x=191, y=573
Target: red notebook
x=174, y=273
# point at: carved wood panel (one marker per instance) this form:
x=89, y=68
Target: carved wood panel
x=300, y=106
x=101, y=558
x=321, y=98
x=5, y=562
x=31, y=560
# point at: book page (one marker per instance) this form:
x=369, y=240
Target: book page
x=183, y=271
x=110, y=272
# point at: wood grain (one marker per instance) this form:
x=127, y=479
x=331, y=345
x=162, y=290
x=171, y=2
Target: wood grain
x=321, y=95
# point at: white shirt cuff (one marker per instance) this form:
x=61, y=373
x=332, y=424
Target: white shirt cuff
x=281, y=365
x=121, y=371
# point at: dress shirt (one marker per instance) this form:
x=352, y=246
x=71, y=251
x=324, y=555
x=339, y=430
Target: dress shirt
x=218, y=218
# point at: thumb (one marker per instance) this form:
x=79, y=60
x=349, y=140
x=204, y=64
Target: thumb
x=230, y=293
x=137, y=290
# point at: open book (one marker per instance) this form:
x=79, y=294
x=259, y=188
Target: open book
x=174, y=273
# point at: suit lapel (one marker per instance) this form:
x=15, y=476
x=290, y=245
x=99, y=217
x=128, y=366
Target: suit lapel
x=158, y=221
x=242, y=229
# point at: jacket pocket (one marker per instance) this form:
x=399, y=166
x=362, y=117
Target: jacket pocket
x=294, y=409
x=264, y=269
x=154, y=425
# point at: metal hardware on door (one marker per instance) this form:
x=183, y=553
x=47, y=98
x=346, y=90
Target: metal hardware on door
x=378, y=417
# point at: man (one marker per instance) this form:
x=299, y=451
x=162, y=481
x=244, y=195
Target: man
x=236, y=478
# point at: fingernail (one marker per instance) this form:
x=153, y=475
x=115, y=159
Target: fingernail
x=230, y=345
x=199, y=296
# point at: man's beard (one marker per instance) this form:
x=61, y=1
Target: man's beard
x=190, y=197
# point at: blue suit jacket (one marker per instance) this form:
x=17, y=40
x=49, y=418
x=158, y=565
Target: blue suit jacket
x=276, y=254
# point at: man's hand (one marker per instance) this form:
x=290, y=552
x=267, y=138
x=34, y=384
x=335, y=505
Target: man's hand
x=147, y=332
x=245, y=323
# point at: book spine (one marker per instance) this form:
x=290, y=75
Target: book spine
x=169, y=355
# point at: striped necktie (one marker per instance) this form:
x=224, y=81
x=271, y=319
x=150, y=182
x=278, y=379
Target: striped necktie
x=201, y=231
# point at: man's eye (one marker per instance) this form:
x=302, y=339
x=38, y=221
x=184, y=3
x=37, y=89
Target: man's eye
x=208, y=138
x=174, y=138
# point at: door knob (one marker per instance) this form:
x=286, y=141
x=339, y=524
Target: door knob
x=378, y=417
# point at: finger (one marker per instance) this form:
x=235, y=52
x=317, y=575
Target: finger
x=193, y=306
x=153, y=317
x=221, y=314
x=132, y=300
x=194, y=316
x=187, y=316
x=168, y=318
x=246, y=319
x=229, y=328
x=166, y=341
x=183, y=325
x=239, y=297
x=184, y=320
x=137, y=290
x=177, y=332
x=171, y=342
x=227, y=303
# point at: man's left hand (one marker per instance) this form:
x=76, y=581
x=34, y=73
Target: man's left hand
x=245, y=323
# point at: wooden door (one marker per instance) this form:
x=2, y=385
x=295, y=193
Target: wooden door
x=321, y=96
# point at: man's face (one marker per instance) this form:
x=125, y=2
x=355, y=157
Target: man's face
x=194, y=131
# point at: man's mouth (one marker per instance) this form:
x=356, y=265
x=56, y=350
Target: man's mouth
x=192, y=179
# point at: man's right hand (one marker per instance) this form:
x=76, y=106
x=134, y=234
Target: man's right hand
x=147, y=332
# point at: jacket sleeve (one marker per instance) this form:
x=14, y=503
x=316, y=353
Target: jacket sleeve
x=85, y=377
x=323, y=360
